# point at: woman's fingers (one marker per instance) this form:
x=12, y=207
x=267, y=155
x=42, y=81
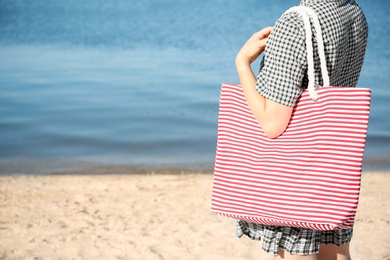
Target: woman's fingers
x=264, y=33
x=254, y=46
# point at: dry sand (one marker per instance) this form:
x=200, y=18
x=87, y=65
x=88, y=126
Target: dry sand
x=146, y=216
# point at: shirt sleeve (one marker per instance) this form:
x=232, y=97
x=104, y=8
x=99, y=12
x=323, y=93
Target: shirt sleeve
x=284, y=65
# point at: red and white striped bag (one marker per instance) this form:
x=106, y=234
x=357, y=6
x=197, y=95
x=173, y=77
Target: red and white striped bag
x=307, y=177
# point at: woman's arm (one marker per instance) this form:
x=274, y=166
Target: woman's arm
x=272, y=117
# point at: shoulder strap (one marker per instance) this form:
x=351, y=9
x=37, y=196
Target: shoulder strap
x=305, y=12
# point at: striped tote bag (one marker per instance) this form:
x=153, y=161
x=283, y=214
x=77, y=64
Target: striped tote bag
x=310, y=175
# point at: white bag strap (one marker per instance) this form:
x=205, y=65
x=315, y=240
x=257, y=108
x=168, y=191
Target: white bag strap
x=305, y=12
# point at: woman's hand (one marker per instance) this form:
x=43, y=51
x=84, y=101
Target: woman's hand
x=253, y=47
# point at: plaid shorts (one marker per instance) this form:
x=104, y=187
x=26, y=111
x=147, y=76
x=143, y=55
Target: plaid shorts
x=293, y=240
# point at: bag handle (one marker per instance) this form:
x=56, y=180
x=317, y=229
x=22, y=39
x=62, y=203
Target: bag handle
x=305, y=12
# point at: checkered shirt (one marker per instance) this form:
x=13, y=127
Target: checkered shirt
x=283, y=73
x=293, y=240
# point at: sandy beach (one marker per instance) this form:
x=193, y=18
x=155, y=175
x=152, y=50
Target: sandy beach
x=149, y=216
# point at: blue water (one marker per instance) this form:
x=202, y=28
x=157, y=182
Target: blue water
x=136, y=83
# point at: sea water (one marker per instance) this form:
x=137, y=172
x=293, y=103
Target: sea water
x=136, y=83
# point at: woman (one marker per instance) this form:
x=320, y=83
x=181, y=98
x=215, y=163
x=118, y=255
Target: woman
x=272, y=95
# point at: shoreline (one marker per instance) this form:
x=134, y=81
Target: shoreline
x=160, y=215
x=43, y=167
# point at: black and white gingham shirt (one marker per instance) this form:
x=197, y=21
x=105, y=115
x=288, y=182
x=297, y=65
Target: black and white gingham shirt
x=284, y=67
